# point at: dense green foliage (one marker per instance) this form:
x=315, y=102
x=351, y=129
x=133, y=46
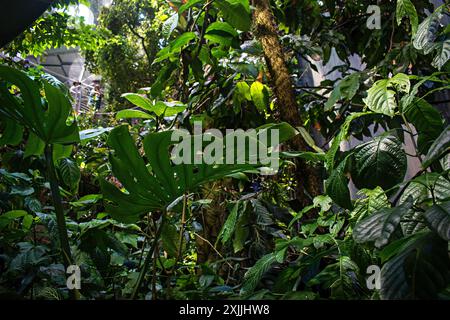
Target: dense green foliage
x=108, y=197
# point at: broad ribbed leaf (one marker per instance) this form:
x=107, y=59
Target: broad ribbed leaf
x=139, y=100
x=346, y=88
x=438, y=148
x=336, y=186
x=255, y=273
x=438, y=217
x=420, y=270
x=70, y=173
x=442, y=54
x=427, y=120
x=380, y=226
x=427, y=32
x=381, y=97
x=230, y=224
x=380, y=162
x=221, y=27
x=373, y=201
x=342, y=136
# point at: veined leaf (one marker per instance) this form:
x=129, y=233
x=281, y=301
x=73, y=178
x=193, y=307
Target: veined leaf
x=346, y=88
x=405, y=8
x=373, y=201
x=342, y=136
x=130, y=113
x=438, y=217
x=221, y=27
x=438, y=148
x=380, y=162
x=427, y=120
x=259, y=95
x=169, y=25
x=139, y=100
x=70, y=173
x=427, y=32
x=442, y=54
x=255, y=273
x=228, y=228
x=11, y=132
x=419, y=271
x=336, y=186
x=381, y=97
x=379, y=226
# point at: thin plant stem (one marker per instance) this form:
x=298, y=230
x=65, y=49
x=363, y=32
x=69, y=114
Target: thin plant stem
x=59, y=210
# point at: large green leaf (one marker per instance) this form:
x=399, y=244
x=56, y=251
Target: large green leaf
x=373, y=201
x=381, y=97
x=139, y=100
x=438, y=148
x=235, y=12
x=419, y=270
x=379, y=162
x=342, y=136
x=442, y=54
x=346, y=88
x=230, y=224
x=160, y=108
x=175, y=46
x=336, y=186
x=380, y=226
x=158, y=185
x=133, y=114
x=427, y=120
x=70, y=173
x=221, y=27
x=47, y=119
x=11, y=132
x=255, y=273
x=438, y=217
x=260, y=95
x=427, y=32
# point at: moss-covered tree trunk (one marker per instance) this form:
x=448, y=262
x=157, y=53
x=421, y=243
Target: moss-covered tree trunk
x=265, y=29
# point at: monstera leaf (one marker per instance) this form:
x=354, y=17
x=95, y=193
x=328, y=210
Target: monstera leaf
x=46, y=118
x=156, y=185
